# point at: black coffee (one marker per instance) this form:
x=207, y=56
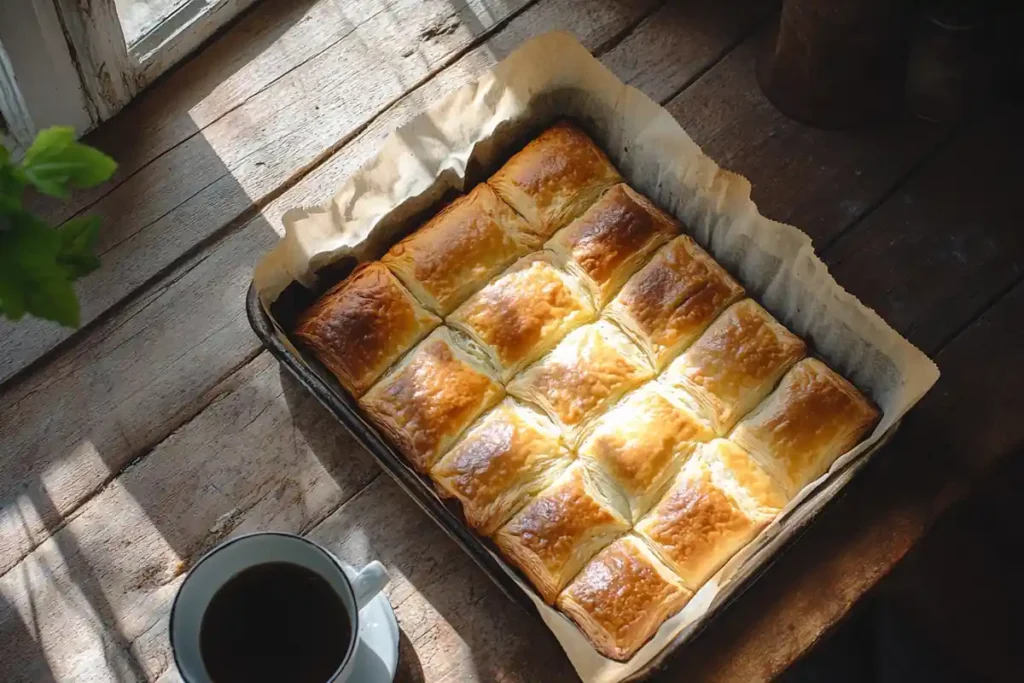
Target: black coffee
x=274, y=622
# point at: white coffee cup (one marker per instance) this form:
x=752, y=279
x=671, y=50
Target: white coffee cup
x=220, y=565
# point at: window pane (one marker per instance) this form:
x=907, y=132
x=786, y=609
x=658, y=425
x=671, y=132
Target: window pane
x=139, y=17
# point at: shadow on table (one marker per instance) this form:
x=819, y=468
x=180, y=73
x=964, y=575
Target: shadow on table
x=79, y=419
x=450, y=613
x=22, y=659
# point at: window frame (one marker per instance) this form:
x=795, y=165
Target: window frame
x=66, y=62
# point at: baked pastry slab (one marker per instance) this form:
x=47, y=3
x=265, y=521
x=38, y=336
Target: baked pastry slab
x=554, y=178
x=621, y=598
x=562, y=528
x=735, y=363
x=612, y=239
x=460, y=249
x=642, y=443
x=524, y=312
x=510, y=455
x=719, y=501
x=430, y=397
x=673, y=299
x=812, y=418
x=592, y=368
x=362, y=325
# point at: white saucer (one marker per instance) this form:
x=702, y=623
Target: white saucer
x=376, y=657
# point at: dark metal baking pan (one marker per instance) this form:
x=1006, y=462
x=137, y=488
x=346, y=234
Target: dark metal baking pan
x=314, y=377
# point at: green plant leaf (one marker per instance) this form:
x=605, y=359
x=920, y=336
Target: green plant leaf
x=77, y=246
x=54, y=298
x=56, y=163
x=12, y=299
x=38, y=263
x=12, y=184
x=31, y=279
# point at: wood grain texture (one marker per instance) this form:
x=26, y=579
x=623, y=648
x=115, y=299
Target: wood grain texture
x=127, y=383
x=793, y=168
x=108, y=576
x=158, y=50
x=263, y=47
x=679, y=42
x=860, y=537
x=202, y=301
x=244, y=157
x=96, y=42
x=80, y=577
x=950, y=237
x=456, y=625
x=968, y=422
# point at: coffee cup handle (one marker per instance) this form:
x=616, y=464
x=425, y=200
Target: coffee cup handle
x=369, y=582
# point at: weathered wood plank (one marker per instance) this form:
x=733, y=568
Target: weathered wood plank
x=860, y=537
x=97, y=45
x=130, y=381
x=107, y=400
x=929, y=260
x=244, y=156
x=953, y=225
x=265, y=45
x=178, y=384
x=106, y=578
x=793, y=168
x=965, y=571
x=676, y=44
x=127, y=563
x=456, y=625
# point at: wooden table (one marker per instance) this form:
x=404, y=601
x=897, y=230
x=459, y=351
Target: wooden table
x=132, y=446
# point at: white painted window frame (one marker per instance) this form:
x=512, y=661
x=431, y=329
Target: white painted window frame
x=66, y=62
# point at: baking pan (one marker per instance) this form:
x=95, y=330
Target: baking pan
x=453, y=144
x=310, y=374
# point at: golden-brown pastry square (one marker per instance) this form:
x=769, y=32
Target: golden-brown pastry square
x=622, y=597
x=510, y=455
x=362, y=325
x=564, y=526
x=719, y=501
x=524, y=312
x=554, y=178
x=460, y=249
x=612, y=239
x=594, y=366
x=673, y=299
x=812, y=418
x=735, y=363
x=642, y=442
x=429, y=398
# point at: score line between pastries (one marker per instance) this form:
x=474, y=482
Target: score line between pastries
x=362, y=325
x=612, y=239
x=523, y=313
x=426, y=401
x=554, y=178
x=510, y=455
x=735, y=363
x=812, y=418
x=622, y=596
x=458, y=250
x=673, y=299
x=594, y=366
x=642, y=442
x=719, y=501
x=564, y=526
